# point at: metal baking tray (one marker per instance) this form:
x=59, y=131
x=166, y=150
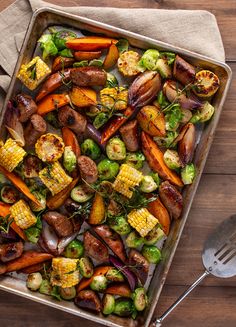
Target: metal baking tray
x=41, y=20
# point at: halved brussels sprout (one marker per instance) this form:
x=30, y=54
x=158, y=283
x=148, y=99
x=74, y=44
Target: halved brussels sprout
x=172, y=159
x=149, y=59
x=135, y=159
x=115, y=149
x=99, y=283
x=140, y=299
x=107, y=169
x=133, y=240
x=91, y=149
x=188, y=174
x=69, y=159
x=151, y=253
x=204, y=114
x=119, y=224
x=148, y=184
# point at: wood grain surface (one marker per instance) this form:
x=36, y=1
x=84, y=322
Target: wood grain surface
x=213, y=303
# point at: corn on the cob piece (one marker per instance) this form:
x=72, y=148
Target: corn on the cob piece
x=116, y=97
x=142, y=220
x=11, y=154
x=54, y=178
x=65, y=272
x=33, y=73
x=23, y=216
x=127, y=178
x=49, y=147
x=128, y=63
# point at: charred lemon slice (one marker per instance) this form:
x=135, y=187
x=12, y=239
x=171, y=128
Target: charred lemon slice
x=128, y=63
x=49, y=147
x=206, y=83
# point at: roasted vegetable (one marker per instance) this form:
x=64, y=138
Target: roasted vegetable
x=23, y=216
x=87, y=55
x=70, y=139
x=99, y=283
x=140, y=299
x=142, y=220
x=74, y=250
x=114, y=275
x=135, y=159
x=61, y=37
x=33, y=234
x=86, y=267
x=60, y=62
x=100, y=120
x=128, y=63
x=173, y=117
x=52, y=102
x=65, y=272
x=172, y=159
x=107, y=169
x=108, y=304
x=206, y=83
x=98, y=211
x=111, y=81
x=13, y=124
x=111, y=57
x=31, y=166
x=47, y=46
x=81, y=193
x=148, y=184
x=69, y=159
x=9, y=194
x=152, y=121
x=124, y=307
x=188, y=174
x=67, y=293
x=151, y=253
x=163, y=68
x=34, y=281
x=149, y=59
x=99, y=271
x=153, y=236
x=119, y=224
x=83, y=96
x=133, y=240
x=45, y=287
x=11, y=154
x=186, y=143
x=203, y=114
x=120, y=289
x=49, y=147
x=90, y=43
x=91, y=149
x=114, y=98
x=115, y=149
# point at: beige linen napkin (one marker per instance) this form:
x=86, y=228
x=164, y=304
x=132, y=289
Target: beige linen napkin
x=193, y=30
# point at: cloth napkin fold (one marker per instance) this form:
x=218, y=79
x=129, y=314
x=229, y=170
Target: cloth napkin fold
x=195, y=30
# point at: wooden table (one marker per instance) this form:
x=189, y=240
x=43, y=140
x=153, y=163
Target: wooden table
x=213, y=304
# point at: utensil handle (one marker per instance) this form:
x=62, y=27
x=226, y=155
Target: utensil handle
x=158, y=322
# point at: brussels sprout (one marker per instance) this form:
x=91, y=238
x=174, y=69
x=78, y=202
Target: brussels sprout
x=67, y=293
x=172, y=159
x=153, y=236
x=51, y=118
x=66, y=53
x=114, y=275
x=124, y=307
x=69, y=159
x=107, y=169
x=163, y=68
x=115, y=149
x=90, y=149
x=111, y=81
x=122, y=45
x=81, y=63
x=108, y=304
x=148, y=184
x=119, y=224
x=133, y=240
x=188, y=174
x=140, y=299
x=162, y=100
x=96, y=62
x=33, y=234
x=149, y=59
x=34, y=281
x=156, y=178
x=61, y=37
x=204, y=114
x=86, y=267
x=151, y=253
x=99, y=283
x=74, y=249
x=168, y=140
x=81, y=194
x=47, y=45
x=45, y=287
x=135, y=159
x=100, y=120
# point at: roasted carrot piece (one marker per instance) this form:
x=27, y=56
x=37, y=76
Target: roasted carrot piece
x=155, y=160
x=70, y=139
x=5, y=211
x=61, y=63
x=111, y=57
x=52, y=102
x=158, y=210
x=121, y=289
x=27, y=259
x=52, y=83
x=90, y=43
x=115, y=124
x=58, y=199
x=97, y=212
x=85, y=282
x=19, y=184
x=87, y=55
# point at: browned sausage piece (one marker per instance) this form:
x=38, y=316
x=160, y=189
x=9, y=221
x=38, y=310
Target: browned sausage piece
x=183, y=71
x=89, y=300
x=88, y=169
x=112, y=239
x=36, y=127
x=60, y=223
x=10, y=251
x=88, y=76
x=95, y=248
x=171, y=198
x=26, y=105
x=68, y=117
x=141, y=265
x=129, y=134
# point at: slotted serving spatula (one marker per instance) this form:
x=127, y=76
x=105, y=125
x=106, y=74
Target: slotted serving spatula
x=218, y=257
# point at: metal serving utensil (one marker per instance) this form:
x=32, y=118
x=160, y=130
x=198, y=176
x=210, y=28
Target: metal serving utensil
x=218, y=257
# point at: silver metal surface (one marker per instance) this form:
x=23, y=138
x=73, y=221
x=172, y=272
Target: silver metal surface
x=218, y=257
x=41, y=20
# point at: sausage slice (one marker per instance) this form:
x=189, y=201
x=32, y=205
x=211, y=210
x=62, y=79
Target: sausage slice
x=88, y=76
x=171, y=198
x=68, y=117
x=36, y=127
x=10, y=251
x=88, y=169
x=60, y=223
x=95, y=248
x=129, y=134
